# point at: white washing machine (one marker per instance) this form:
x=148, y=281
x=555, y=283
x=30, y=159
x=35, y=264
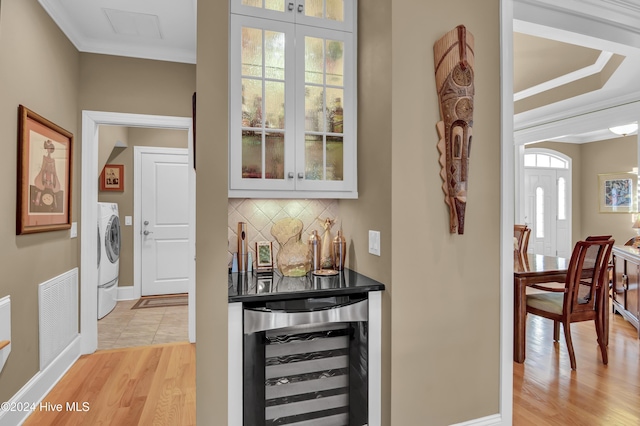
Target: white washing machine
x=108, y=257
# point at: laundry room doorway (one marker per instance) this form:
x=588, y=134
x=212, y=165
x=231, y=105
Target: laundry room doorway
x=161, y=206
x=91, y=123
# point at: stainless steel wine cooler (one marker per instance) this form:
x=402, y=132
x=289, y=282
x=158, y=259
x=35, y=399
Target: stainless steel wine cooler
x=305, y=362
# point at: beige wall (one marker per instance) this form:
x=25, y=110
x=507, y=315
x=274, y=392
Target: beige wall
x=588, y=160
x=136, y=136
x=611, y=156
x=140, y=86
x=211, y=212
x=38, y=69
x=372, y=209
x=445, y=296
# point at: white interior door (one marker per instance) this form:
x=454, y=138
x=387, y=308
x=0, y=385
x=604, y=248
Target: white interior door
x=164, y=216
x=548, y=211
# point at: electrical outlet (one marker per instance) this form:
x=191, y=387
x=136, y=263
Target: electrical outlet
x=374, y=242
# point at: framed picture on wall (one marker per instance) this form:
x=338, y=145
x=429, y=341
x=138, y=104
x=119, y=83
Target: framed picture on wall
x=45, y=153
x=112, y=178
x=617, y=192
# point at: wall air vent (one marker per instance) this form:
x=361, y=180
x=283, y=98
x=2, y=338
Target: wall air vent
x=134, y=24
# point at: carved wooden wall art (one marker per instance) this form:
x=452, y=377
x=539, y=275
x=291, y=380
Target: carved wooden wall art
x=454, y=63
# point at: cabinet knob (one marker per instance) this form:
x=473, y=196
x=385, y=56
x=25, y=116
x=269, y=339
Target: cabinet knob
x=300, y=8
x=300, y=175
x=290, y=175
x=291, y=5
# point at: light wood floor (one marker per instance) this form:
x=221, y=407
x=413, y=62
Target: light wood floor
x=150, y=385
x=155, y=385
x=547, y=392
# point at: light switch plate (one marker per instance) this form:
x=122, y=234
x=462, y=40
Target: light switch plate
x=374, y=242
x=128, y=221
x=74, y=230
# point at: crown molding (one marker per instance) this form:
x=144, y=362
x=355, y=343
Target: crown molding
x=596, y=20
x=601, y=116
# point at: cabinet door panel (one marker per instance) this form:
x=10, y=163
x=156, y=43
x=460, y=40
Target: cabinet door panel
x=618, y=280
x=261, y=153
x=327, y=162
x=632, y=288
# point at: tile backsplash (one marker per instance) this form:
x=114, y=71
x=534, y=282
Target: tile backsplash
x=261, y=215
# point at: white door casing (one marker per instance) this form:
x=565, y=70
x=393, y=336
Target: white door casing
x=162, y=185
x=91, y=120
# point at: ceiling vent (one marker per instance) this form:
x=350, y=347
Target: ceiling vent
x=134, y=24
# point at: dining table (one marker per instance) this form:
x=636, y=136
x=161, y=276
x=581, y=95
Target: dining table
x=531, y=269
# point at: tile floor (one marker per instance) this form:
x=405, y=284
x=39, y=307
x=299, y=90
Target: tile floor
x=125, y=327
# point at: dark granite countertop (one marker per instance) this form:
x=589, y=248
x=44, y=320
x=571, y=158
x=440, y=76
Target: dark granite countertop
x=252, y=287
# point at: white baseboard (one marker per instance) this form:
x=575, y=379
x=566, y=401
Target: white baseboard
x=494, y=420
x=127, y=293
x=40, y=385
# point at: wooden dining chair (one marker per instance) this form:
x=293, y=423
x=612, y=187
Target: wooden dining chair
x=525, y=240
x=583, y=296
x=520, y=237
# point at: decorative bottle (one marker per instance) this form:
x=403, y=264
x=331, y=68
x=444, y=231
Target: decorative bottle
x=314, y=250
x=326, y=258
x=339, y=251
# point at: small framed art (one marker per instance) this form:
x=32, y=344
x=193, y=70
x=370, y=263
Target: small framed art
x=112, y=178
x=264, y=256
x=617, y=192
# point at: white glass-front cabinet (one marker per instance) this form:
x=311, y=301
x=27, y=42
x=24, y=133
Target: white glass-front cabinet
x=293, y=93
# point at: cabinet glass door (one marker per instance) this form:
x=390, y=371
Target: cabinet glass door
x=333, y=14
x=323, y=92
x=261, y=126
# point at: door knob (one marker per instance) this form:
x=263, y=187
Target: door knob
x=146, y=222
x=145, y=232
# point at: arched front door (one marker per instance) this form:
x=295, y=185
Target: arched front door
x=547, y=180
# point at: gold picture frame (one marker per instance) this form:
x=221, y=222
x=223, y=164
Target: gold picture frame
x=264, y=256
x=45, y=158
x=617, y=192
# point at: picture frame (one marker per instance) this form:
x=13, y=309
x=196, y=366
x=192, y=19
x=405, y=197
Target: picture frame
x=264, y=256
x=45, y=165
x=617, y=192
x=112, y=178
